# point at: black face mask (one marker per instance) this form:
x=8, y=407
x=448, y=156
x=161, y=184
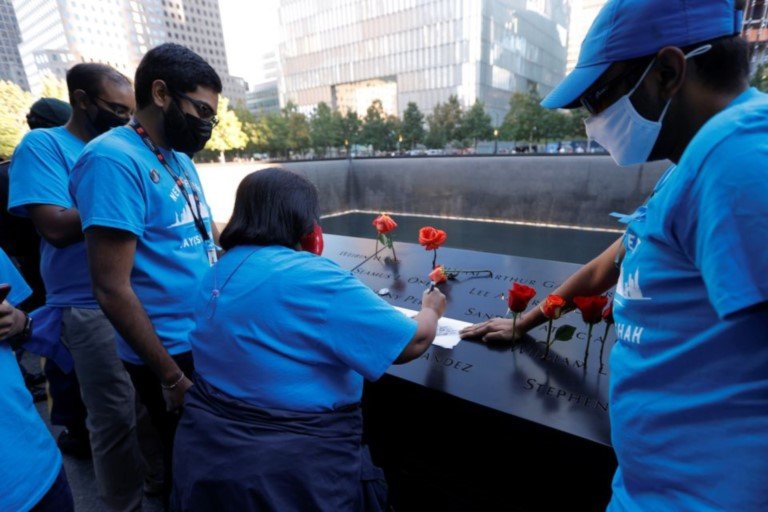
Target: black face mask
x=185, y=132
x=105, y=120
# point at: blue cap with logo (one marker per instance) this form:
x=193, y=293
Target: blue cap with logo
x=627, y=29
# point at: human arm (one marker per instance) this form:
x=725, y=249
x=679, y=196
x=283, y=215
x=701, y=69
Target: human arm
x=432, y=308
x=59, y=226
x=110, y=260
x=594, y=278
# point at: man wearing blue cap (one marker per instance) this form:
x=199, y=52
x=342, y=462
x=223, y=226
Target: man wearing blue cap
x=689, y=371
x=668, y=79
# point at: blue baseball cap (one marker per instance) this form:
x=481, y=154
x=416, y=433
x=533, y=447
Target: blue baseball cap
x=627, y=29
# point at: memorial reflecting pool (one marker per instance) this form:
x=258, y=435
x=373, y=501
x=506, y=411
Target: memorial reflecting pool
x=549, y=243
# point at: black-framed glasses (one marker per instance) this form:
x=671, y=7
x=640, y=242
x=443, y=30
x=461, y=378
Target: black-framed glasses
x=592, y=101
x=204, y=110
x=116, y=108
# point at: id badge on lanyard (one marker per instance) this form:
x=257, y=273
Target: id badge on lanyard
x=210, y=249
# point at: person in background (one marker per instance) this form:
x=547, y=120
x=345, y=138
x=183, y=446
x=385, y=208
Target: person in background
x=20, y=240
x=283, y=341
x=148, y=231
x=32, y=476
x=101, y=98
x=688, y=392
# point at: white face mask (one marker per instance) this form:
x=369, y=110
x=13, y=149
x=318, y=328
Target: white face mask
x=623, y=132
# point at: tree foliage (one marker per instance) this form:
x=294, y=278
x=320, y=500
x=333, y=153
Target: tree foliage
x=14, y=105
x=54, y=88
x=412, y=128
x=228, y=134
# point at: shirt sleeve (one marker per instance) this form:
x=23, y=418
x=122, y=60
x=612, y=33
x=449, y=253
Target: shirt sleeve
x=108, y=193
x=730, y=208
x=38, y=174
x=364, y=331
x=20, y=291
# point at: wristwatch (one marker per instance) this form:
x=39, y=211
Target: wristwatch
x=17, y=341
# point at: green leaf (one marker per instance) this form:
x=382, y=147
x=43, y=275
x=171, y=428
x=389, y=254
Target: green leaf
x=388, y=242
x=564, y=332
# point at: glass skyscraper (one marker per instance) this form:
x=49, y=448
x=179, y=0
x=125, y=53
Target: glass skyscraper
x=11, y=68
x=56, y=34
x=348, y=52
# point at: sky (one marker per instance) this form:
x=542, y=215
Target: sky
x=250, y=30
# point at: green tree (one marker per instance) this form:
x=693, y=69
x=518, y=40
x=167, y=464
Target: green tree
x=298, y=139
x=14, y=105
x=444, y=123
x=324, y=129
x=413, y=126
x=528, y=121
x=276, y=134
x=228, y=134
x=476, y=124
x=575, y=123
x=350, y=126
x=375, y=130
x=54, y=88
x=759, y=79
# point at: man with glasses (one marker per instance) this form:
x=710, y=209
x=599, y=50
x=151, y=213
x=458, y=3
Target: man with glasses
x=101, y=98
x=668, y=79
x=148, y=231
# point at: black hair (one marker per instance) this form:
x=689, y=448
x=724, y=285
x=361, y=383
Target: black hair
x=90, y=76
x=180, y=68
x=725, y=66
x=272, y=207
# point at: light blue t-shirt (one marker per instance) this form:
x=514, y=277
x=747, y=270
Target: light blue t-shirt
x=292, y=331
x=39, y=174
x=30, y=461
x=119, y=183
x=689, y=372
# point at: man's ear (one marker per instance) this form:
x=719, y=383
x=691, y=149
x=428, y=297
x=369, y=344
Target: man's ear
x=671, y=69
x=161, y=96
x=81, y=99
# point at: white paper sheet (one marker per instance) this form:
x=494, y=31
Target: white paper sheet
x=447, y=329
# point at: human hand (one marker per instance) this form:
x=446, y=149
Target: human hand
x=494, y=330
x=11, y=320
x=434, y=300
x=174, y=398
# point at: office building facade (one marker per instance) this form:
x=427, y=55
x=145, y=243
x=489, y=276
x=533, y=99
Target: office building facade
x=583, y=13
x=56, y=34
x=11, y=68
x=346, y=52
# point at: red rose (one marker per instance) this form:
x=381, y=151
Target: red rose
x=431, y=238
x=519, y=297
x=384, y=223
x=438, y=275
x=552, y=307
x=608, y=314
x=591, y=308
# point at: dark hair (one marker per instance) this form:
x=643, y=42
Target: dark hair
x=725, y=66
x=272, y=207
x=48, y=113
x=180, y=68
x=90, y=76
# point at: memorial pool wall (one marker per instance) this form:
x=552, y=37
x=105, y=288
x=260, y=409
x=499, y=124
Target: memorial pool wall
x=579, y=190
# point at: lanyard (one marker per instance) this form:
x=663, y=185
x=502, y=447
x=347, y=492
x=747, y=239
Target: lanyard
x=197, y=214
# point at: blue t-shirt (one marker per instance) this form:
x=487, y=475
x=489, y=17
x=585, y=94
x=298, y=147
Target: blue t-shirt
x=39, y=174
x=119, y=183
x=689, y=372
x=30, y=461
x=292, y=331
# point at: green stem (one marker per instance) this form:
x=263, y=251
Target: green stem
x=392, y=244
x=514, y=324
x=602, y=342
x=434, y=259
x=549, y=336
x=589, y=340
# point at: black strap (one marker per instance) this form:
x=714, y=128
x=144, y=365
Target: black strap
x=196, y=212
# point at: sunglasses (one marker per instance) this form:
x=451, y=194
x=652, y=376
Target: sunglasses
x=204, y=110
x=592, y=100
